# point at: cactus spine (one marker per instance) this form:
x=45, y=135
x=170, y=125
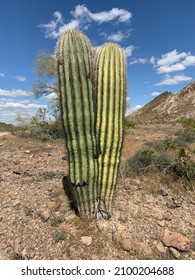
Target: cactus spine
x=111, y=94
x=74, y=66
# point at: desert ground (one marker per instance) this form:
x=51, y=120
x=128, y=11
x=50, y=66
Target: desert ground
x=151, y=218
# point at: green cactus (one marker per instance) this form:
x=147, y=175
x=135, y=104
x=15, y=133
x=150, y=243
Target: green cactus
x=92, y=98
x=111, y=94
x=74, y=66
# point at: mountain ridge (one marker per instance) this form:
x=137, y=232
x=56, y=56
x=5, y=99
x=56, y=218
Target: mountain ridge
x=168, y=106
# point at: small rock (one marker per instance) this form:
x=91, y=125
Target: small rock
x=122, y=217
x=27, y=152
x=174, y=203
x=1, y=179
x=52, y=205
x=24, y=252
x=167, y=216
x=71, y=216
x=175, y=240
x=126, y=243
x=174, y=252
x=16, y=203
x=104, y=226
x=162, y=223
x=164, y=192
x=192, y=223
x=147, y=250
x=161, y=248
x=17, y=172
x=50, y=189
x=178, y=202
x=155, y=242
x=65, y=157
x=17, y=245
x=170, y=204
x=16, y=162
x=192, y=201
x=44, y=215
x=86, y=240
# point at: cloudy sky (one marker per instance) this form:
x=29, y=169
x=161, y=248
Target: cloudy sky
x=157, y=38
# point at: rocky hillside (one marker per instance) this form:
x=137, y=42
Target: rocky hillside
x=168, y=106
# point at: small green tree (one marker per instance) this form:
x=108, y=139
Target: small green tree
x=46, y=84
x=45, y=68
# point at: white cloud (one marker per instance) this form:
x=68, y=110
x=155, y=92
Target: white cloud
x=189, y=60
x=2, y=75
x=132, y=109
x=81, y=18
x=173, y=80
x=81, y=12
x=16, y=101
x=21, y=78
x=173, y=61
x=10, y=106
x=121, y=14
x=51, y=27
x=14, y=92
x=52, y=96
x=128, y=50
x=152, y=60
x=170, y=58
x=139, y=61
x=117, y=37
x=155, y=93
x=137, y=107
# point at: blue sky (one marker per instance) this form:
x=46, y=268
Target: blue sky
x=157, y=37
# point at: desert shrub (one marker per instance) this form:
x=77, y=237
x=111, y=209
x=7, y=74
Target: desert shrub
x=188, y=123
x=59, y=235
x=187, y=135
x=55, y=129
x=174, y=160
x=40, y=126
x=170, y=145
x=157, y=145
x=147, y=159
x=184, y=137
x=130, y=124
x=184, y=168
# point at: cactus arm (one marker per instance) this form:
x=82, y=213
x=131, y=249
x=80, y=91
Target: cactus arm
x=111, y=92
x=74, y=65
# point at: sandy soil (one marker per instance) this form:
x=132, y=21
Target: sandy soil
x=36, y=221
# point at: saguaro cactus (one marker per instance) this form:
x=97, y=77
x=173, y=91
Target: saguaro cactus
x=110, y=80
x=92, y=98
x=74, y=66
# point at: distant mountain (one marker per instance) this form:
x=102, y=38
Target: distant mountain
x=168, y=106
x=6, y=127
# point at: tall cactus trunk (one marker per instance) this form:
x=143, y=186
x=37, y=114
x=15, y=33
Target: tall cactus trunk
x=74, y=66
x=110, y=81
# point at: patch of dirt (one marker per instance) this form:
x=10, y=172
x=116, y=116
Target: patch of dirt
x=36, y=221
x=4, y=133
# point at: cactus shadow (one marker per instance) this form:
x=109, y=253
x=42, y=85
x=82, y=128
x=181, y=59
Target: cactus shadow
x=67, y=187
